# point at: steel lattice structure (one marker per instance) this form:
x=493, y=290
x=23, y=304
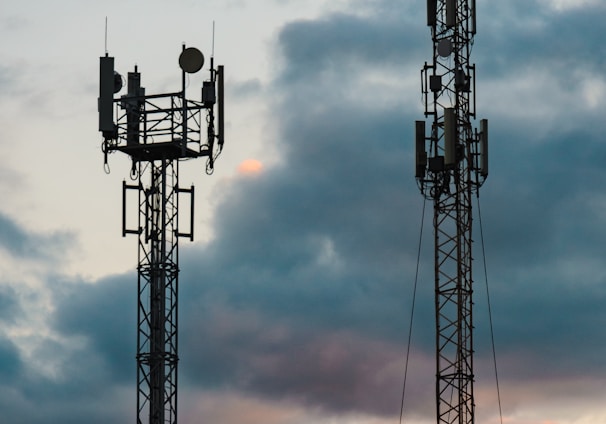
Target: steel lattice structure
x=157, y=287
x=156, y=132
x=451, y=165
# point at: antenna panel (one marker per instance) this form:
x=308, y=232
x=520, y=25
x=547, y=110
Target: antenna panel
x=106, y=95
x=221, y=111
x=435, y=83
x=484, y=147
x=462, y=81
x=208, y=93
x=420, y=153
x=133, y=104
x=473, y=17
x=451, y=13
x=432, y=7
x=450, y=136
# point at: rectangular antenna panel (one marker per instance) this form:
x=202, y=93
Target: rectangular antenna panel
x=450, y=136
x=221, y=112
x=435, y=83
x=133, y=104
x=473, y=17
x=421, y=154
x=484, y=147
x=208, y=93
x=432, y=9
x=106, y=95
x=451, y=13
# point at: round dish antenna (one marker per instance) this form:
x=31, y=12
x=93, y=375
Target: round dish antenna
x=117, y=82
x=444, y=47
x=191, y=60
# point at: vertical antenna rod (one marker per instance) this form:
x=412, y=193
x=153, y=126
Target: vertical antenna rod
x=451, y=164
x=213, y=48
x=106, y=35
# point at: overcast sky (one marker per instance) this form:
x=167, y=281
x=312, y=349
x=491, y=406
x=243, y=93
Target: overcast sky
x=295, y=297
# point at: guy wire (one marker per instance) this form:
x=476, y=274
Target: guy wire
x=412, y=309
x=494, y=355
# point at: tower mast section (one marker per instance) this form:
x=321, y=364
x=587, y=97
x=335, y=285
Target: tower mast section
x=451, y=165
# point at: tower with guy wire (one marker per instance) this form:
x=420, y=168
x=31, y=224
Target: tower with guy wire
x=157, y=132
x=451, y=166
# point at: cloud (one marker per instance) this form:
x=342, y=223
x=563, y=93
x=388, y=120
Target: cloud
x=18, y=242
x=8, y=78
x=566, y=5
x=327, y=242
x=306, y=285
x=246, y=89
x=297, y=310
x=103, y=315
x=48, y=373
x=11, y=365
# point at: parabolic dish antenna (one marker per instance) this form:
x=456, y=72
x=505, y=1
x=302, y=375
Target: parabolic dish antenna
x=444, y=47
x=191, y=60
x=117, y=82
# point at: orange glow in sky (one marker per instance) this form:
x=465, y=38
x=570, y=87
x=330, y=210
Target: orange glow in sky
x=250, y=167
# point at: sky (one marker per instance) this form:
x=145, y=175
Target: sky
x=296, y=295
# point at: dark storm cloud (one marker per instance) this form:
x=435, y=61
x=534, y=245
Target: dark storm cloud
x=243, y=349
x=304, y=292
x=21, y=243
x=85, y=368
x=346, y=191
x=532, y=34
x=542, y=201
x=552, y=188
x=11, y=365
x=345, y=41
x=541, y=204
x=10, y=307
x=104, y=314
x=60, y=375
x=316, y=247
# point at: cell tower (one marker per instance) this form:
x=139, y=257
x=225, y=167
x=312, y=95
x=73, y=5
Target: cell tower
x=157, y=131
x=451, y=165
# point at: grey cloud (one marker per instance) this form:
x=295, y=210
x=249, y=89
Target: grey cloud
x=337, y=371
x=246, y=89
x=7, y=79
x=104, y=314
x=86, y=367
x=532, y=34
x=21, y=243
x=348, y=179
x=320, y=245
x=11, y=365
x=345, y=43
x=10, y=306
x=304, y=293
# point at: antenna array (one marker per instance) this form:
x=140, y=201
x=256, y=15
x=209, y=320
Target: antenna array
x=157, y=131
x=451, y=164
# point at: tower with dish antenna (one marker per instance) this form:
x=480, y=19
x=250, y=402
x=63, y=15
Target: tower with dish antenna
x=451, y=165
x=157, y=132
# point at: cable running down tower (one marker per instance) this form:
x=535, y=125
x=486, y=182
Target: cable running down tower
x=157, y=131
x=451, y=165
